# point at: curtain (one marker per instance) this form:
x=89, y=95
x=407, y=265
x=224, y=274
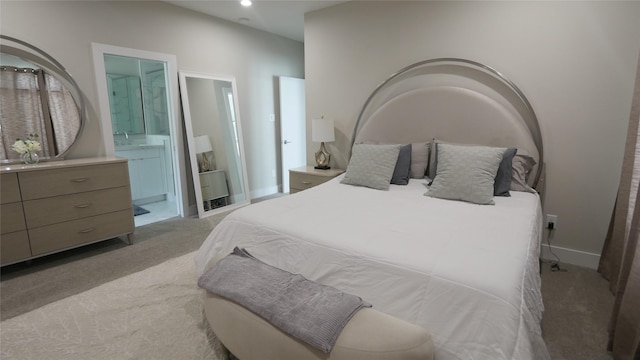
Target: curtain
x=20, y=102
x=64, y=112
x=620, y=260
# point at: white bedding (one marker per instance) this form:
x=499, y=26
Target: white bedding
x=467, y=273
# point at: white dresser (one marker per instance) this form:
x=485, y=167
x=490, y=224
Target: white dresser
x=58, y=205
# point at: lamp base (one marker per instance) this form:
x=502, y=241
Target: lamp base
x=206, y=166
x=322, y=158
x=322, y=167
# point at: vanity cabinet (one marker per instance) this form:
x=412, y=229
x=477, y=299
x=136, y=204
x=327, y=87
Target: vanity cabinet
x=146, y=169
x=59, y=205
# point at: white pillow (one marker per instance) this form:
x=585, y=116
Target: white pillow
x=466, y=173
x=371, y=165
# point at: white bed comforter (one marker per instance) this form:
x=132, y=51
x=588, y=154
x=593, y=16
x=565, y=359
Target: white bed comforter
x=467, y=273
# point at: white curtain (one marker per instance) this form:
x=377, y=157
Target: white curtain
x=620, y=260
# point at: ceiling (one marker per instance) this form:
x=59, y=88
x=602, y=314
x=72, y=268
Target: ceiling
x=285, y=18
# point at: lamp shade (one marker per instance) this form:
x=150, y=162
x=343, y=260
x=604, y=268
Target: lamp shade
x=322, y=130
x=202, y=144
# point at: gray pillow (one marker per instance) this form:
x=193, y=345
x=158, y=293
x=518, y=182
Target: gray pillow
x=403, y=167
x=419, y=159
x=371, y=165
x=503, y=177
x=466, y=173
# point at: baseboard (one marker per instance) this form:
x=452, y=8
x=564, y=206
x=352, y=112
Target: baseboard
x=570, y=256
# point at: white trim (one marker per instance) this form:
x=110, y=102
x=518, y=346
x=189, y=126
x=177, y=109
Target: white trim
x=570, y=256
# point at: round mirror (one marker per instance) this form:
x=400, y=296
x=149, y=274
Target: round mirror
x=38, y=98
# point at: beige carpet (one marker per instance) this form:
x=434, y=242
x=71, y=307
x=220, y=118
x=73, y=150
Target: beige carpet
x=152, y=314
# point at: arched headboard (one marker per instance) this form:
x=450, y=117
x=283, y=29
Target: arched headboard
x=454, y=100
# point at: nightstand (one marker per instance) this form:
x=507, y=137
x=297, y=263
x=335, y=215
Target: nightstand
x=306, y=177
x=214, y=189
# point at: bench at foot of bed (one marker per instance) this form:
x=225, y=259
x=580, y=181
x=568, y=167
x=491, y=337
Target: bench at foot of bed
x=369, y=335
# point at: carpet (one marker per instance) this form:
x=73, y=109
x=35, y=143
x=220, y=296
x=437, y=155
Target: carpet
x=139, y=210
x=152, y=314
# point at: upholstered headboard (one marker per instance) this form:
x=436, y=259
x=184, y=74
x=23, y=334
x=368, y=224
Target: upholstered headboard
x=453, y=100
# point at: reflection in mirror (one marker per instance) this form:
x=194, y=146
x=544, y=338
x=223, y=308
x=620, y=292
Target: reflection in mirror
x=215, y=142
x=137, y=97
x=37, y=96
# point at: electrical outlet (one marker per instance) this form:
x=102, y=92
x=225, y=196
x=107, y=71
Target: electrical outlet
x=552, y=221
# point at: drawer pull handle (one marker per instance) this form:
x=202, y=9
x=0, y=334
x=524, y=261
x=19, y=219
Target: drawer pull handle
x=79, y=180
x=307, y=182
x=85, y=231
x=82, y=206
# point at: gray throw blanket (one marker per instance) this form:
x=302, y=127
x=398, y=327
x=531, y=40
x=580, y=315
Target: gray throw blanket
x=306, y=310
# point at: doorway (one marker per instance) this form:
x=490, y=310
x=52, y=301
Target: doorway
x=292, y=126
x=138, y=106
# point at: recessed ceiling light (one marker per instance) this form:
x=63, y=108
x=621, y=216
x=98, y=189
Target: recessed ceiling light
x=245, y=2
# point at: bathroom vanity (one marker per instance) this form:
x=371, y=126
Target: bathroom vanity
x=58, y=205
x=147, y=169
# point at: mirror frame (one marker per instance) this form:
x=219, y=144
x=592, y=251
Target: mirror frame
x=26, y=51
x=188, y=124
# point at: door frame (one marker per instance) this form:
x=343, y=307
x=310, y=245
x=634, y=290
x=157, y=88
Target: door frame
x=176, y=134
x=289, y=104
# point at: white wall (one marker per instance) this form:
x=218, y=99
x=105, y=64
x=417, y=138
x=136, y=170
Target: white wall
x=201, y=43
x=575, y=61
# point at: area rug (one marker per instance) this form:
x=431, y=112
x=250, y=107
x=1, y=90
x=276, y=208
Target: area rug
x=139, y=210
x=152, y=314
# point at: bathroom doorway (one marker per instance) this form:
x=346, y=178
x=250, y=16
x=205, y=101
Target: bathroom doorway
x=139, y=121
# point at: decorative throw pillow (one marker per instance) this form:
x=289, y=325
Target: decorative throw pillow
x=502, y=183
x=419, y=159
x=371, y=165
x=403, y=166
x=466, y=173
x=503, y=177
x=522, y=165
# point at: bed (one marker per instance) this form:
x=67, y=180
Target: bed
x=466, y=270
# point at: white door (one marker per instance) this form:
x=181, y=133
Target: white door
x=292, y=126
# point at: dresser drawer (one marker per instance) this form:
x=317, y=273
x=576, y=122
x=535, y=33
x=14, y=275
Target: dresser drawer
x=304, y=181
x=57, y=209
x=14, y=247
x=46, y=183
x=70, y=234
x=11, y=218
x=10, y=189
